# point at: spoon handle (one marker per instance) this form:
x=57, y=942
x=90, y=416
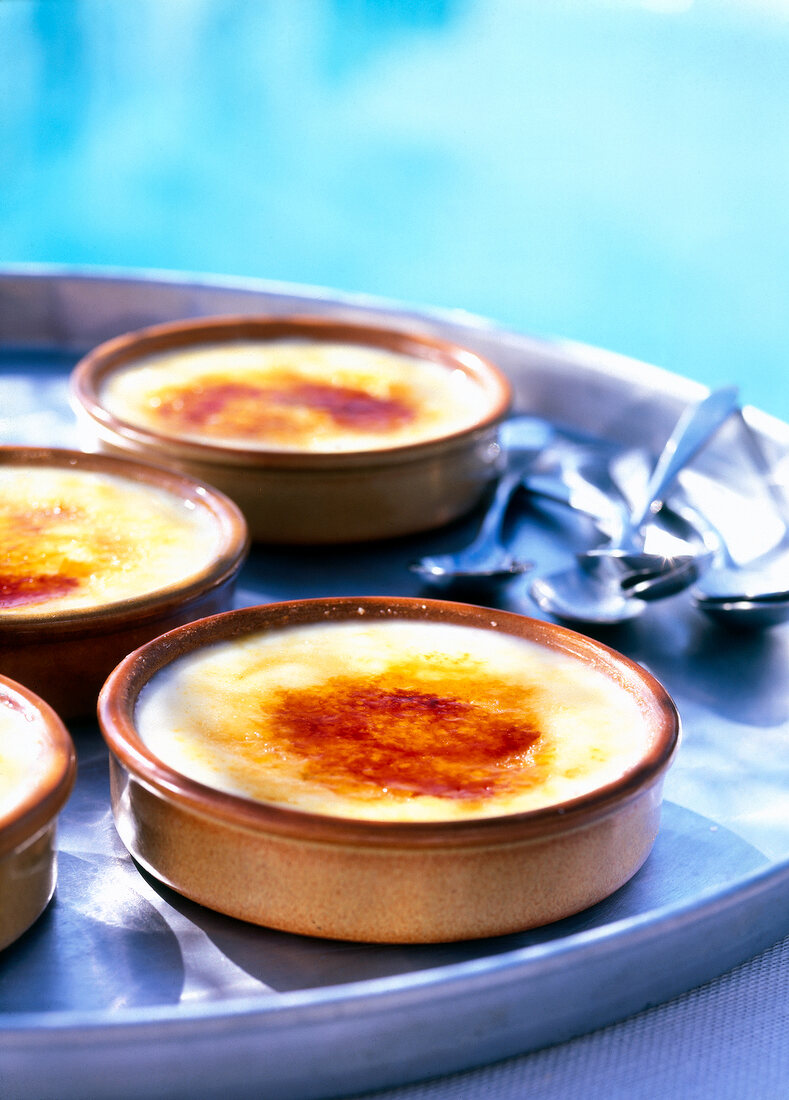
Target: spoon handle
x=489, y=533
x=694, y=428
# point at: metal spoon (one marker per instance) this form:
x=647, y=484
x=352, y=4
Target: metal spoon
x=607, y=595
x=763, y=599
x=593, y=590
x=682, y=571
x=578, y=596
x=765, y=578
x=754, y=581
x=747, y=614
x=694, y=429
x=486, y=559
x=683, y=524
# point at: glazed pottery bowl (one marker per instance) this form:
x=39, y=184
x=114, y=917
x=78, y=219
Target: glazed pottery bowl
x=103, y=554
x=37, y=771
x=355, y=433
x=470, y=822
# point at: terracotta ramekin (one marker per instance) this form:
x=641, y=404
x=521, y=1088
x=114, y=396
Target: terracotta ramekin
x=372, y=881
x=28, y=856
x=312, y=498
x=65, y=656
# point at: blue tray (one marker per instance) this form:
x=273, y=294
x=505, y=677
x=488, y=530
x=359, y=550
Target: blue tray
x=124, y=989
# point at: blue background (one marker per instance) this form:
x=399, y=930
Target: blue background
x=615, y=172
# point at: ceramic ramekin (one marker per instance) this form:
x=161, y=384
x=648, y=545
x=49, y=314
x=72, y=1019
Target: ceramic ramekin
x=65, y=656
x=312, y=498
x=374, y=881
x=28, y=857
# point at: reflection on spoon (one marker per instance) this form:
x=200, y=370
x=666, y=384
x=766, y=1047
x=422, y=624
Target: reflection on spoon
x=579, y=596
x=612, y=589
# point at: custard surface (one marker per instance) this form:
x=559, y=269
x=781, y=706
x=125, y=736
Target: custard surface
x=392, y=721
x=24, y=752
x=293, y=395
x=77, y=539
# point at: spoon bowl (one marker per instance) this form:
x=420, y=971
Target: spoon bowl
x=689, y=548
x=576, y=596
x=746, y=614
x=614, y=588
x=672, y=578
x=745, y=596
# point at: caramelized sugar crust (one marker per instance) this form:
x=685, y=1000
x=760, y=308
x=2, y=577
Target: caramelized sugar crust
x=391, y=720
x=293, y=395
x=79, y=539
x=460, y=735
x=277, y=407
x=43, y=558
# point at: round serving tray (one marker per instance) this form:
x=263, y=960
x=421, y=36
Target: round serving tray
x=124, y=989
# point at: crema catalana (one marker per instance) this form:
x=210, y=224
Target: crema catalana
x=394, y=720
x=25, y=753
x=293, y=395
x=75, y=539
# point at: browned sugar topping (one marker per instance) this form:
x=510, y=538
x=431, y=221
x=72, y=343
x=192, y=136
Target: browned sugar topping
x=33, y=567
x=226, y=408
x=387, y=733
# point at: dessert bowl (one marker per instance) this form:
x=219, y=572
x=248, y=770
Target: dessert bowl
x=386, y=769
x=37, y=771
x=321, y=431
x=100, y=555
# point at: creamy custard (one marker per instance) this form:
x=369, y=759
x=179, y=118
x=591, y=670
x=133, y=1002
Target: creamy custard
x=75, y=539
x=25, y=753
x=392, y=720
x=294, y=395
